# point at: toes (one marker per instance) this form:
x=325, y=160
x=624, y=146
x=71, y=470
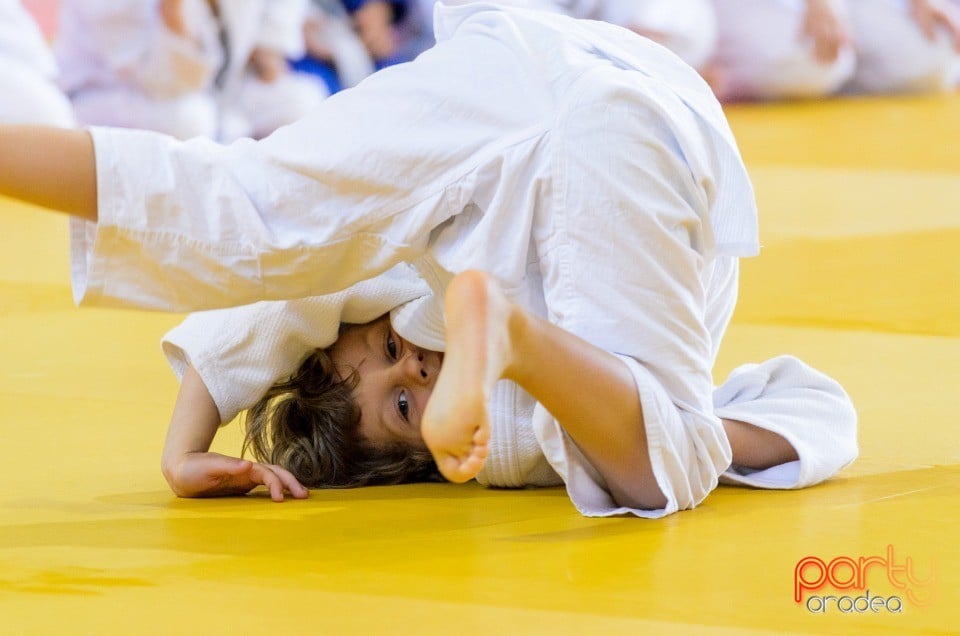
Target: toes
x=472, y=466
x=480, y=438
x=452, y=469
x=462, y=469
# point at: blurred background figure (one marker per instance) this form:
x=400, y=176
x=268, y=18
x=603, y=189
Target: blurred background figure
x=28, y=72
x=686, y=27
x=415, y=31
x=772, y=49
x=905, y=45
x=185, y=67
x=347, y=40
x=375, y=21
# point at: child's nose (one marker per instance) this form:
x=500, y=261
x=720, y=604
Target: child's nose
x=414, y=367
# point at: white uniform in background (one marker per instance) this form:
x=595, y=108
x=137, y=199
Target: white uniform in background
x=352, y=61
x=123, y=67
x=28, y=72
x=763, y=53
x=956, y=59
x=589, y=170
x=893, y=54
x=686, y=27
x=250, y=106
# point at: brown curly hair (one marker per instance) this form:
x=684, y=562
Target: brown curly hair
x=310, y=425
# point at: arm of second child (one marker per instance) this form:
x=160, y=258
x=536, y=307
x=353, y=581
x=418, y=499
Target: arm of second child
x=51, y=167
x=193, y=471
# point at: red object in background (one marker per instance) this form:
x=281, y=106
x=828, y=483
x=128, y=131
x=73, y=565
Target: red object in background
x=45, y=13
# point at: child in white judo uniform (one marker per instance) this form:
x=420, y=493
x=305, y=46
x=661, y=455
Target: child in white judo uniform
x=686, y=27
x=769, y=49
x=28, y=72
x=570, y=220
x=905, y=46
x=185, y=67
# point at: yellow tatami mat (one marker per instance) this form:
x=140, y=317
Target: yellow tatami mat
x=860, y=218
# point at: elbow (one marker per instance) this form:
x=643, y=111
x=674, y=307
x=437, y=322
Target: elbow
x=170, y=471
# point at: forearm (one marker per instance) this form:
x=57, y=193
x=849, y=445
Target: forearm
x=193, y=471
x=193, y=424
x=50, y=167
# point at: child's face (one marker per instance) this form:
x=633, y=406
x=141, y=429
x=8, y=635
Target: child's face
x=396, y=379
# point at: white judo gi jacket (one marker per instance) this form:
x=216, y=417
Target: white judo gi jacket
x=589, y=170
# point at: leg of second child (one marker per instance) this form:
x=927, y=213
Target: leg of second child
x=589, y=391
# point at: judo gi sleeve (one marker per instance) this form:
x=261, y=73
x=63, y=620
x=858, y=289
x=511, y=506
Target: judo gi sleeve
x=240, y=352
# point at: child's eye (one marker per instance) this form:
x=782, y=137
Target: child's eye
x=391, y=346
x=403, y=405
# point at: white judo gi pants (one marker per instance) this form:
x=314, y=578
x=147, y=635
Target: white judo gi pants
x=629, y=273
x=623, y=268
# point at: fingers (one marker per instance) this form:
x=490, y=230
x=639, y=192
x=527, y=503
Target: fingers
x=263, y=475
x=215, y=475
x=290, y=483
x=277, y=479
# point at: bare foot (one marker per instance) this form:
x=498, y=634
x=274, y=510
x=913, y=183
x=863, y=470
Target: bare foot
x=455, y=425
